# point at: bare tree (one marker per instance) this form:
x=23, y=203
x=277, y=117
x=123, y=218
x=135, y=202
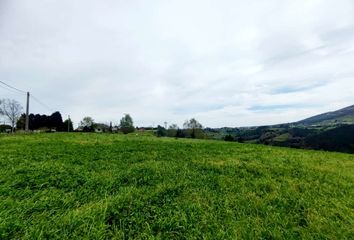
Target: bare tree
x=12, y=110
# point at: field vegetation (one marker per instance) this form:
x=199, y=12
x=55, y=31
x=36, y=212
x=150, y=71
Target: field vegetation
x=136, y=186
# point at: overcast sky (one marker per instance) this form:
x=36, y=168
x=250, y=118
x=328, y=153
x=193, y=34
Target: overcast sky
x=226, y=63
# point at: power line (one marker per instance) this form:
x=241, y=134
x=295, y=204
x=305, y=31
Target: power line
x=9, y=86
x=41, y=103
x=45, y=105
x=11, y=90
x=18, y=91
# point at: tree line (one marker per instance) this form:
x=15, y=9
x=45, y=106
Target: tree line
x=88, y=124
x=13, y=111
x=45, y=122
x=191, y=129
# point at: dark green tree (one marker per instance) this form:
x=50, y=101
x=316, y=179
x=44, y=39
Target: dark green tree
x=56, y=121
x=180, y=133
x=161, y=131
x=126, y=124
x=68, y=125
x=21, y=122
x=229, y=138
x=43, y=122
x=193, y=129
x=172, y=130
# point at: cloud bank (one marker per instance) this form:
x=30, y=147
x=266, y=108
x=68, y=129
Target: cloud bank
x=226, y=63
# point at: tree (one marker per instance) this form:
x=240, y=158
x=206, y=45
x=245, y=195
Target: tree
x=56, y=121
x=68, y=125
x=172, y=130
x=161, y=131
x=229, y=138
x=87, y=124
x=192, y=124
x=241, y=140
x=193, y=128
x=12, y=110
x=126, y=124
x=180, y=133
x=43, y=122
x=21, y=122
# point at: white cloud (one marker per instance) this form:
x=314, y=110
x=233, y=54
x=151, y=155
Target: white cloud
x=172, y=60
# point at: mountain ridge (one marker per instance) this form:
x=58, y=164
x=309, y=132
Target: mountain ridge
x=330, y=131
x=343, y=115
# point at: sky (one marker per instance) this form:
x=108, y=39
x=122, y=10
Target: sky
x=226, y=63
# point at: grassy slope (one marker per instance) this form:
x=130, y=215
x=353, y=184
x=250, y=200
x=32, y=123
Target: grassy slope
x=66, y=186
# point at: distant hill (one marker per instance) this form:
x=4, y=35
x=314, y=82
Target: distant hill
x=341, y=116
x=331, y=131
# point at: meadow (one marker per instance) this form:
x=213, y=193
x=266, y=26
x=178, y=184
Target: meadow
x=112, y=186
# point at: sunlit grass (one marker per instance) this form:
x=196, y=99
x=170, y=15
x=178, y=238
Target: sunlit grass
x=97, y=186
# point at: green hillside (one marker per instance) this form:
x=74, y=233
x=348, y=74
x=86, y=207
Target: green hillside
x=341, y=116
x=331, y=131
x=92, y=186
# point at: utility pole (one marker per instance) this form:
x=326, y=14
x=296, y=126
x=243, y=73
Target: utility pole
x=68, y=123
x=27, y=112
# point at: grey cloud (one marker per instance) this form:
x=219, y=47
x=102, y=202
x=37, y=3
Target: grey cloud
x=172, y=60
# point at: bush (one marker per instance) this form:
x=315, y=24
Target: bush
x=229, y=138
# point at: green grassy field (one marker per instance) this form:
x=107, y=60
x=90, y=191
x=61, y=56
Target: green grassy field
x=92, y=186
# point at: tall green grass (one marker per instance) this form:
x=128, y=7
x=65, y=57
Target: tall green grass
x=97, y=186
